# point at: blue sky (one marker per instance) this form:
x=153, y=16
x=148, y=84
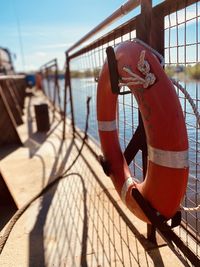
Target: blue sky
x=48, y=27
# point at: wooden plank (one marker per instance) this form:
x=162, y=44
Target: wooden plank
x=13, y=105
x=11, y=86
x=16, y=90
x=5, y=195
x=8, y=127
x=7, y=204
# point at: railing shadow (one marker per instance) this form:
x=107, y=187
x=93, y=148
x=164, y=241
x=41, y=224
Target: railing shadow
x=61, y=231
x=37, y=233
x=8, y=149
x=36, y=139
x=81, y=224
x=151, y=249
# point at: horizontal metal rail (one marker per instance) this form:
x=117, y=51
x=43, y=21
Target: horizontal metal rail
x=125, y=28
x=49, y=64
x=120, y=12
x=168, y=6
x=171, y=6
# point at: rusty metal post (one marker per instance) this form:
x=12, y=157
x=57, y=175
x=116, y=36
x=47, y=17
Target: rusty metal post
x=143, y=32
x=55, y=78
x=48, y=84
x=68, y=87
x=57, y=85
x=157, y=29
x=157, y=42
x=70, y=96
x=53, y=99
x=65, y=100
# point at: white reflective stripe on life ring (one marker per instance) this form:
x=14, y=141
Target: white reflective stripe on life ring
x=171, y=159
x=128, y=182
x=107, y=126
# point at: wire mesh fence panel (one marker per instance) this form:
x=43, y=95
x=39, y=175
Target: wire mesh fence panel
x=85, y=70
x=182, y=54
x=53, y=85
x=182, y=47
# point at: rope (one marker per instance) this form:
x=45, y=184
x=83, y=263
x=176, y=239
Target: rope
x=65, y=174
x=134, y=79
x=155, y=52
x=195, y=110
x=188, y=97
x=190, y=209
x=143, y=65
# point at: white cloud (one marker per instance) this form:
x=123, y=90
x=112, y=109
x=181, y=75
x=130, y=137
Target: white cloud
x=41, y=44
x=40, y=54
x=56, y=45
x=30, y=67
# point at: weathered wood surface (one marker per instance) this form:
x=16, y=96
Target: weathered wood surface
x=8, y=127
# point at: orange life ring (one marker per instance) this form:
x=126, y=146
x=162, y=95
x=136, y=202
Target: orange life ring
x=167, y=171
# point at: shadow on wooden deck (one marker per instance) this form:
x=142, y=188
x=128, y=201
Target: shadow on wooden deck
x=80, y=222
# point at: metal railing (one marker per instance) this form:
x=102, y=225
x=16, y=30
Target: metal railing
x=51, y=84
x=173, y=29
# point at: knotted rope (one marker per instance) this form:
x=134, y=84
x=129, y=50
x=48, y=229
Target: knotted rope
x=144, y=67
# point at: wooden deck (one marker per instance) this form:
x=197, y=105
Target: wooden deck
x=81, y=221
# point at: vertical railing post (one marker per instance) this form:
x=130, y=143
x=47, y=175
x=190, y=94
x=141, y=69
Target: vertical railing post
x=143, y=32
x=150, y=29
x=54, y=73
x=48, y=84
x=57, y=85
x=70, y=96
x=68, y=87
x=156, y=40
x=157, y=29
x=65, y=99
x=43, y=78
